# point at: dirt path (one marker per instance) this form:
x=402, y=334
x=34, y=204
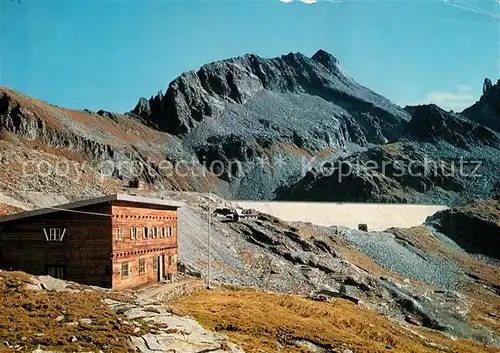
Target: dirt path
x=167, y=290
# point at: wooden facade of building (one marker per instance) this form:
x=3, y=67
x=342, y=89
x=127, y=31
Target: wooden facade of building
x=116, y=241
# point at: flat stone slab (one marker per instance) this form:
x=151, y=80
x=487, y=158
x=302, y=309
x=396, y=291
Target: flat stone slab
x=152, y=342
x=52, y=284
x=169, y=332
x=137, y=313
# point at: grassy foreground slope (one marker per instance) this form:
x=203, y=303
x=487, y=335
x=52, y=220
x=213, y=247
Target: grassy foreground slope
x=62, y=322
x=264, y=322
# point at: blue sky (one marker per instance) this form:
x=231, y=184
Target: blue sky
x=107, y=54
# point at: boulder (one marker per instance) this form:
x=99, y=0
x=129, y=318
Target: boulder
x=169, y=332
x=52, y=284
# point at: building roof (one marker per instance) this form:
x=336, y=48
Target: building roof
x=93, y=201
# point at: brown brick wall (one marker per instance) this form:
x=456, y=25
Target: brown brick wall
x=128, y=250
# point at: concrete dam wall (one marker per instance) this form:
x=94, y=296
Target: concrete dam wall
x=378, y=217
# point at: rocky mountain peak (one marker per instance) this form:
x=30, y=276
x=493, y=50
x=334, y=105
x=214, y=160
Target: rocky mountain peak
x=487, y=85
x=326, y=59
x=196, y=96
x=431, y=123
x=487, y=110
x=491, y=94
x=142, y=107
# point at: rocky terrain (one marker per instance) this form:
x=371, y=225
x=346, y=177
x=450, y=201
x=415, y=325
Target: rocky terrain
x=258, y=128
x=43, y=314
x=216, y=88
x=475, y=227
x=291, y=124
x=83, y=150
x=418, y=274
x=420, y=278
x=287, y=128
x=441, y=158
x=487, y=109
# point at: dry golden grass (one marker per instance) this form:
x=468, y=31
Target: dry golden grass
x=262, y=322
x=28, y=318
x=7, y=210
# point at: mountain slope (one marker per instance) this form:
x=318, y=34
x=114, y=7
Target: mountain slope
x=441, y=157
x=261, y=121
x=431, y=123
x=475, y=227
x=207, y=93
x=256, y=128
x=110, y=147
x=414, y=276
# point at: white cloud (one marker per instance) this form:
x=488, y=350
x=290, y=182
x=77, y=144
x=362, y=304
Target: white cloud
x=464, y=88
x=286, y=1
x=457, y=101
x=475, y=6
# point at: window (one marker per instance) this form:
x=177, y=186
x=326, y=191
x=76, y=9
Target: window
x=142, y=266
x=119, y=234
x=54, y=234
x=124, y=271
x=56, y=271
x=169, y=231
x=155, y=264
x=133, y=233
x=154, y=232
x=145, y=232
x=172, y=259
x=163, y=232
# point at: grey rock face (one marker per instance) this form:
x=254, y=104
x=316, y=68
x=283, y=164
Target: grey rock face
x=487, y=110
x=245, y=113
x=171, y=333
x=142, y=108
x=327, y=60
x=52, y=284
x=433, y=161
x=431, y=123
x=256, y=128
x=487, y=85
x=475, y=228
x=196, y=96
x=103, y=152
x=221, y=154
x=267, y=254
x=378, y=174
